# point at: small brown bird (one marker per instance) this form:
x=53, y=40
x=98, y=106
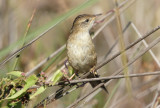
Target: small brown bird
x=80, y=48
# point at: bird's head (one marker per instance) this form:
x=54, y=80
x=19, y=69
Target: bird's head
x=84, y=22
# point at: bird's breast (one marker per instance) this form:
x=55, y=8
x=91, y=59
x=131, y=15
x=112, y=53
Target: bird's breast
x=81, y=52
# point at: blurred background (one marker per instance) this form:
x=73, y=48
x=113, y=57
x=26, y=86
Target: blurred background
x=145, y=15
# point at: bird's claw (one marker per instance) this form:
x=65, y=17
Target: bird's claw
x=94, y=72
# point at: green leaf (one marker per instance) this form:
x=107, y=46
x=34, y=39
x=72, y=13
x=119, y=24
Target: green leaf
x=39, y=91
x=71, y=71
x=15, y=73
x=57, y=76
x=30, y=81
x=45, y=28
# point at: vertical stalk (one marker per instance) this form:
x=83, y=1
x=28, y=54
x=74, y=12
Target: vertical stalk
x=23, y=43
x=122, y=48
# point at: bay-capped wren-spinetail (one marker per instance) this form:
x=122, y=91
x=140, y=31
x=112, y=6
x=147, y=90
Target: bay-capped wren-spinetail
x=80, y=48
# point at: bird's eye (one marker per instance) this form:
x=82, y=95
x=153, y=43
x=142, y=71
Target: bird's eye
x=87, y=20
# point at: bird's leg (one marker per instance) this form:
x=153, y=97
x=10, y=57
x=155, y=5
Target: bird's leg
x=65, y=64
x=76, y=73
x=94, y=72
x=64, y=70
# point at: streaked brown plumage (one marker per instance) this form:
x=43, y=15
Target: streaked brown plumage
x=80, y=48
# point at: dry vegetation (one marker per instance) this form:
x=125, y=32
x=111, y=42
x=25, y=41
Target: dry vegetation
x=19, y=19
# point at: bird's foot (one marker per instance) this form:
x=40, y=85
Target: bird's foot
x=94, y=72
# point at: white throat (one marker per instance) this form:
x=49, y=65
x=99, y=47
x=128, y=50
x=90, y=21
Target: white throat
x=83, y=36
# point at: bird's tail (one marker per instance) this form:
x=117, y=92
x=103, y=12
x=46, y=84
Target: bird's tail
x=95, y=83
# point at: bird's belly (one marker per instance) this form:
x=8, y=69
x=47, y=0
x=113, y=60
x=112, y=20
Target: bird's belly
x=81, y=56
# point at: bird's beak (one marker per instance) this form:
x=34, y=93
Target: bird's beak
x=96, y=15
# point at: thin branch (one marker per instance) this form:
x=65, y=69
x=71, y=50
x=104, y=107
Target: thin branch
x=108, y=78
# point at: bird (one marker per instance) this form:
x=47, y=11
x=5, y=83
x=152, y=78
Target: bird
x=81, y=52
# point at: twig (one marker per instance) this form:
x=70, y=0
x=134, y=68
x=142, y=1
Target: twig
x=108, y=78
